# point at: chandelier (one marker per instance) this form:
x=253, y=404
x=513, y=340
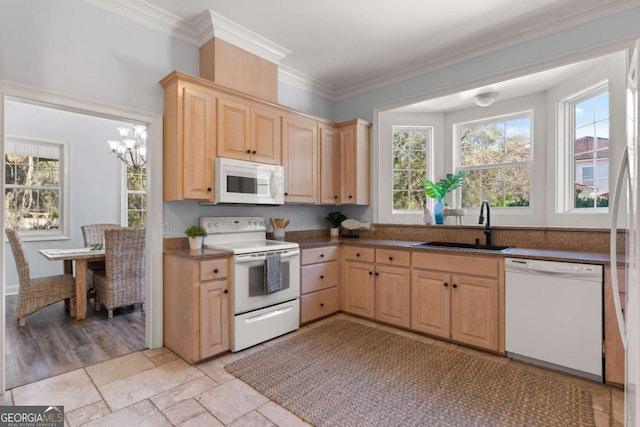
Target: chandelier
x=132, y=149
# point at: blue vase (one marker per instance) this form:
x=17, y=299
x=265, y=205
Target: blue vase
x=437, y=211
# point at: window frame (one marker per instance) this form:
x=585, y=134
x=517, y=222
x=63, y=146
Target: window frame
x=124, y=193
x=62, y=233
x=428, y=162
x=457, y=133
x=565, y=203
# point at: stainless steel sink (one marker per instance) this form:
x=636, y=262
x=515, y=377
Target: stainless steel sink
x=454, y=245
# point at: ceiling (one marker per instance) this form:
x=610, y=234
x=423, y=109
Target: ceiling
x=343, y=47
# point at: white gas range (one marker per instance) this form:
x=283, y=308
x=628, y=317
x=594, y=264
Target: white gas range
x=266, y=278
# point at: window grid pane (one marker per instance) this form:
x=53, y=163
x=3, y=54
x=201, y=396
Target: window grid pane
x=409, y=166
x=591, y=151
x=136, y=197
x=32, y=191
x=496, y=156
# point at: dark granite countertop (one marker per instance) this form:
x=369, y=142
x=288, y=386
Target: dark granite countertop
x=199, y=254
x=515, y=252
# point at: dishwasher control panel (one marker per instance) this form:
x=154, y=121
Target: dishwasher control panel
x=553, y=267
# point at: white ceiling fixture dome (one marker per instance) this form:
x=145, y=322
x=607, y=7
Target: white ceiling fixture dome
x=485, y=99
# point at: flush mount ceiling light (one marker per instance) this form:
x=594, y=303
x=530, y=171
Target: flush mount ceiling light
x=485, y=99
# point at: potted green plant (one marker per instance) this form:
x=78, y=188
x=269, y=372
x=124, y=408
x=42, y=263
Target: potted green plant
x=335, y=219
x=196, y=235
x=437, y=190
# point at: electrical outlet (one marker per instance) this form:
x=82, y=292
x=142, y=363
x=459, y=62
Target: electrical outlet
x=165, y=228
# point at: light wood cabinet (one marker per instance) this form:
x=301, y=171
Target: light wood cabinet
x=614, y=357
x=189, y=140
x=329, y=146
x=319, y=282
x=300, y=158
x=196, y=306
x=380, y=290
x=458, y=297
x=247, y=131
x=354, y=162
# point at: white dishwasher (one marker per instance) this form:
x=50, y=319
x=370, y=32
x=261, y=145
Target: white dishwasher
x=554, y=315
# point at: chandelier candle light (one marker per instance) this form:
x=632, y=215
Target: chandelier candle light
x=132, y=149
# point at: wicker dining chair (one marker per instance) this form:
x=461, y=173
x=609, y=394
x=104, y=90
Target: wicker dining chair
x=40, y=292
x=123, y=281
x=93, y=234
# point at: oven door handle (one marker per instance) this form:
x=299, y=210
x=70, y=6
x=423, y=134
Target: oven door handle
x=262, y=257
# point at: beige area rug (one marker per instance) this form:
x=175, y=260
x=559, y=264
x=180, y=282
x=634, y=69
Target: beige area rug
x=347, y=374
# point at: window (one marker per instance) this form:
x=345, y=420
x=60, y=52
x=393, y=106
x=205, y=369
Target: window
x=589, y=134
x=136, y=196
x=410, y=146
x=496, y=154
x=34, y=186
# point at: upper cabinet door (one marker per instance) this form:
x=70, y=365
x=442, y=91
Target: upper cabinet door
x=234, y=129
x=300, y=159
x=197, y=144
x=354, y=162
x=266, y=136
x=329, y=158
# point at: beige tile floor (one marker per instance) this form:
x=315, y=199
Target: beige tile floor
x=157, y=388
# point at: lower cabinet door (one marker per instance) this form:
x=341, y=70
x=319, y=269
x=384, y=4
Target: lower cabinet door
x=318, y=304
x=393, y=295
x=474, y=308
x=430, y=302
x=358, y=288
x=214, y=318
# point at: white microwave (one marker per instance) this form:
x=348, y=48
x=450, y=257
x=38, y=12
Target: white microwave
x=239, y=181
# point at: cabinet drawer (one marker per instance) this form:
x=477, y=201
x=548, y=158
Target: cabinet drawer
x=213, y=269
x=312, y=256
x=318, y=276
x=476, y=266
x=318, y=304
x=357, y=253
x=392, y=257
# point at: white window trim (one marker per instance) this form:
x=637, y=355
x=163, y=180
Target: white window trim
x=383, y=156
x=65, y=195
x=428, y=163
x=565, y=167
x=124, y=193
x=530, y=113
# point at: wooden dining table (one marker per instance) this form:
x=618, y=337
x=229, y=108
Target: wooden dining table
x=80, y=257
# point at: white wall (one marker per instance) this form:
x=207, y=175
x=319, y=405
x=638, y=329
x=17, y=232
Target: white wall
x=73, y=48
x=542, y=52
x=95, y=176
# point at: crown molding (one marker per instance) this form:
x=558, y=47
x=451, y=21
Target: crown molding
x=210, y=24
x=305, y=82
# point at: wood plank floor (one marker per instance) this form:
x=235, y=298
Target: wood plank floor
x=53, y=343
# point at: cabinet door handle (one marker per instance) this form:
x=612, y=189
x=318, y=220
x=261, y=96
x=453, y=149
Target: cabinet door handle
x=321, y=255
x=253, y=152
x=209, y=189
x=248, y=151
x=321, y=304
x=226, y=291
x=350, y=196
x=335, y=197
x=215, y=271
x=446, y=285
x=358, y=254
x=322, y=277
x=390, y=258
x=454, y=285
x=370, y=273
x=286, y=194
x=376, y=273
